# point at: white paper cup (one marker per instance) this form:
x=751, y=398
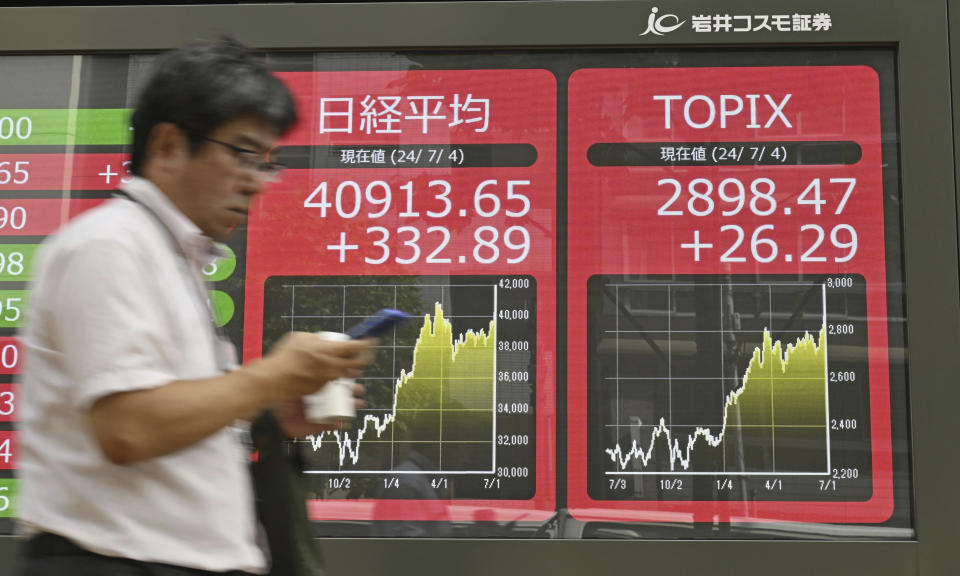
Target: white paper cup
x=332, y=404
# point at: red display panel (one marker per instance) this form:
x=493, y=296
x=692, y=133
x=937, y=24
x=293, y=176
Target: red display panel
x=8, y=450
x=8, y=402
x=432, y=191
x=11, y=355
x=728, y=350
x=47, y=183
x=49, y=171
x=40, y=216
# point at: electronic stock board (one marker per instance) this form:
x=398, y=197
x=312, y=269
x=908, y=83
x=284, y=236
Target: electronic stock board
x=657, y=293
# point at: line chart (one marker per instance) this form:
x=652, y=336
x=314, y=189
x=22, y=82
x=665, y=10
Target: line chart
x=733, y=377
x=793, y=380
x=449, y=391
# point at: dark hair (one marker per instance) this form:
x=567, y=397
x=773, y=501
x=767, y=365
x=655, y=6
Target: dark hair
x=201, y=86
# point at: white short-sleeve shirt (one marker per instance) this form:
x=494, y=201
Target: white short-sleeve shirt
x=115, y=306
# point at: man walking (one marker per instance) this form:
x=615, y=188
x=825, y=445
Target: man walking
x=129, y=459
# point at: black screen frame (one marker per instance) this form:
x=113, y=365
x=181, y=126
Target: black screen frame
x=917, y=31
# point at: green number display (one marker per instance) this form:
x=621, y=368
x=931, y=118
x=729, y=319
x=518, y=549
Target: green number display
x=62, y=126
x=16, y=262
x=13, y=305
x=221, y=268
x=222, y=305
x=9, y=488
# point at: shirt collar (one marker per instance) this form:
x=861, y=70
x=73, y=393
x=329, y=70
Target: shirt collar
x=198, y=248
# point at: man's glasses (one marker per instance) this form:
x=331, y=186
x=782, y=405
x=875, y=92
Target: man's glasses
x=252, y=160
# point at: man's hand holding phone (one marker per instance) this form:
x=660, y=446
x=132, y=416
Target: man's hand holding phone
x=301, y=363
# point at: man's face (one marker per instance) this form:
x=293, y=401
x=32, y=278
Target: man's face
x=218, y=182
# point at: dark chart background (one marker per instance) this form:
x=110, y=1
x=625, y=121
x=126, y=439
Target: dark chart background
x=409, y=459
x=677, y=347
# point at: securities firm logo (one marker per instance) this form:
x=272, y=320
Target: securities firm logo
x=660, y=25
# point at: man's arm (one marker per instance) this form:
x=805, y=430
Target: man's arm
x=141, y=424
x=104, y=313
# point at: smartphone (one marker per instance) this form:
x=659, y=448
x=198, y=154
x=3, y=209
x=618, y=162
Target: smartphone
x=378, y=324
